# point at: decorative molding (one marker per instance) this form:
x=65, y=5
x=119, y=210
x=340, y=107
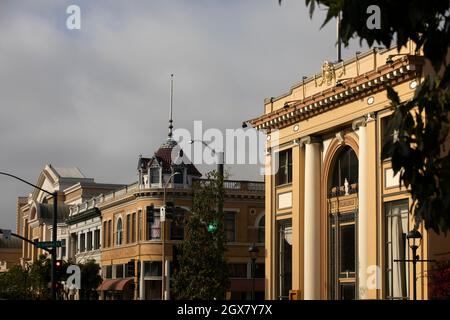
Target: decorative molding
x=362, y=86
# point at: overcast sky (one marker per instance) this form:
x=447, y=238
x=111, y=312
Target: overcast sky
x=98, y=97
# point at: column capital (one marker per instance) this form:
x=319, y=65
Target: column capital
x=362, y=121
x=308, y=140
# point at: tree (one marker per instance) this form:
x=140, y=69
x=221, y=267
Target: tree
x=15, y=284
x=203, y=271
x=39, y=275
x=422, y=123
x=90, y=280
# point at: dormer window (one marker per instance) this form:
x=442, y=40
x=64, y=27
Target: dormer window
x=154, y=175
x=178, y=178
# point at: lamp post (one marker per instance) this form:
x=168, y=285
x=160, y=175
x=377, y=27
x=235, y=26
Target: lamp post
x=220, y=166
x=163, y=238
x=414, y=240
x=253, y=250
x=54, y=235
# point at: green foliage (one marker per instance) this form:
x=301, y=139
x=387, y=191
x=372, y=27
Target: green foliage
x=203, y=271
x=90, y=280
x=15, y=284
x=422, y=124
x=33, y=282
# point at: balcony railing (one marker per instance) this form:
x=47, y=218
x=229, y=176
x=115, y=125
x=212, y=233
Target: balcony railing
x=229, y=185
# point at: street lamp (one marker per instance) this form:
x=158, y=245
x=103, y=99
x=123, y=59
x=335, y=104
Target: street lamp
x=220, y=163
x=54, y=235
x=253, y=250
x=414, y=240
x=163, y=231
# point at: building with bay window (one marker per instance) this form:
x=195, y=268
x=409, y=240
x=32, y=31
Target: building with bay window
x=336, y=216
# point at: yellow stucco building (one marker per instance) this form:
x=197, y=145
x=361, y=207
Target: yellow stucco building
x=138, y=249
x=336, y=217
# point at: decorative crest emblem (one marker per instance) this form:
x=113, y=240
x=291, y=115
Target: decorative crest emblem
x=328, y=73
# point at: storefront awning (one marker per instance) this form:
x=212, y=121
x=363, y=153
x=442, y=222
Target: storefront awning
x=115, y=284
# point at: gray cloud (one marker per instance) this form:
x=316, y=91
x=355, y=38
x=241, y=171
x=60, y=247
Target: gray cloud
x=99, y=97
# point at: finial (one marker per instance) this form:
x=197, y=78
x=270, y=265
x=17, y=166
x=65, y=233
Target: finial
x=171, y=107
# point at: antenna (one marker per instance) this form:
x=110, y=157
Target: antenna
x=171, y=108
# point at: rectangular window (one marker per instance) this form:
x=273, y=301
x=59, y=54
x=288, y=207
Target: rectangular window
x=97, y=239
x=128, y=228
x=109, y=233
x=82, y=242
x=347, y=249
x=396, y=248
x=154, y=175
x=177, y=226
x=230, y=226
x=105, y=226
x=152, y=269
x=238, y=270
x=63, y=248
x=153, y=226
x=119, y=271
x=140, y=225
x=284, y=259
x=89, y=241
x=284, y=173
x=108, y=272
x=133, y=227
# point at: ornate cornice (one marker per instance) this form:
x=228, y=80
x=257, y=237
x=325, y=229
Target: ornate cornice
x=358, y=87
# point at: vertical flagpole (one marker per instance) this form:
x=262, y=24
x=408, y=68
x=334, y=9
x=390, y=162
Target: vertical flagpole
x=339, y=43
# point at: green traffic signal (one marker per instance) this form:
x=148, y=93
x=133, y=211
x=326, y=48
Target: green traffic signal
x=212, y=227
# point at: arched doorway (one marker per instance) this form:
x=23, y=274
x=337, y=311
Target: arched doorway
x=342, y=200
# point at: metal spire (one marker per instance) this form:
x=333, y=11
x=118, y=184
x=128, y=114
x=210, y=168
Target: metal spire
x=171, y=107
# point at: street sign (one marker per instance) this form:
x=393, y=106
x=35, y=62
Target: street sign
x=47, y=244
x=162, y=213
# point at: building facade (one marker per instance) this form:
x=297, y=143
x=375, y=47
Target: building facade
x=138, y=249
x=337, y=217
x=35, y=212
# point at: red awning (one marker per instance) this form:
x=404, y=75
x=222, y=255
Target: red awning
x=115, y=284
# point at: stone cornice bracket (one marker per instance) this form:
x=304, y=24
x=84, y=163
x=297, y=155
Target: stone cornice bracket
x=308, y=140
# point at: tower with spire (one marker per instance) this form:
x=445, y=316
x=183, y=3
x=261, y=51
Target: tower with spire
x=153, y=172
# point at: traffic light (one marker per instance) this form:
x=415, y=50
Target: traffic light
x=151, y=213
x=59, y=269
x=212, y=227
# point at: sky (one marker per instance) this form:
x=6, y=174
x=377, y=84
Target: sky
x=97, y=97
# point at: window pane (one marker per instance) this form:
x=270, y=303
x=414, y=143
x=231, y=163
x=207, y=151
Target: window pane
x=238, y=270
x=284, y=173
x=347, y=249
x=154, y=175
x=230, y=226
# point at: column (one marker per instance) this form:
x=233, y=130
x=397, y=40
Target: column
x=312, y=220
x=368, y=277
x=362, y=212
x=298, y=206
x=141, y=282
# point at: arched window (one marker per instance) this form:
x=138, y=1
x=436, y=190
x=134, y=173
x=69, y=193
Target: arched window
x=119, y=232
x=345, y=172
x=261, y=229
x=178, y=178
